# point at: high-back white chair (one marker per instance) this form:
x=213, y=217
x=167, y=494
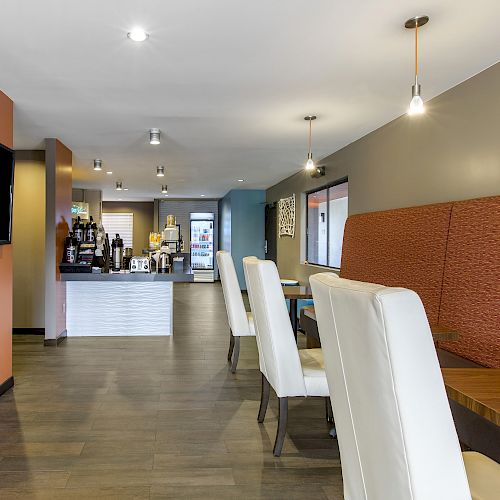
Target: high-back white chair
x=240, y=321
x=289, y=371
x=396, y=435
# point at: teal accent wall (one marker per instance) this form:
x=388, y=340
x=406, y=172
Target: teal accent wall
x=242, y=226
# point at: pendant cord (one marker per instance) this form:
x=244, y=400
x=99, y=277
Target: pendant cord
x=310, y=138
x=416, y=52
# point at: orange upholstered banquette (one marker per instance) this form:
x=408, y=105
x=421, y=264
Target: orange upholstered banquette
x=449, y=254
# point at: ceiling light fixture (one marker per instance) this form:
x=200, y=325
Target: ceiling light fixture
x=109, y=172
x=241, y=180
x=164, y=189
x=310, y=163
x=416, y=103
x=160, y=171
x=97, y=164
x=138, y=35
x=154, y=136
x=119, y=186
x=125, y=189
x=202, y=195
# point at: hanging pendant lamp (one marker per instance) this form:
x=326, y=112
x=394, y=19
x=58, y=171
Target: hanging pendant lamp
x=416, y=103
x=310, y=163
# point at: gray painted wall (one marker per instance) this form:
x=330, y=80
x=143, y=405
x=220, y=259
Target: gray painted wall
x=452, y=152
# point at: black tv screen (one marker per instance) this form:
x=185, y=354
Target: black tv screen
x=6, y=193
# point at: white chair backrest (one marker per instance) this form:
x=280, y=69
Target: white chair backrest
x=278, y=354
x=396, y=434
x=235, y=307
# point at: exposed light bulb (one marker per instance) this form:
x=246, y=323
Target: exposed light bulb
x=154, y=136
x=310, y=164
x=416, y=106
x=137, y=35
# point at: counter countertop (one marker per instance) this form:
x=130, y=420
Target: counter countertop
x=185, y=277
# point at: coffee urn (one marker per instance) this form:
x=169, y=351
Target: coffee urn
x=163, y=265
x=117, y=253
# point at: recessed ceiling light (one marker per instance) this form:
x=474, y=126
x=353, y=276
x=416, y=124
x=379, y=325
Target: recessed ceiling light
x=119, y=186
x=125, y=189
x=164, y=189
x=138, y=35
x=241, y=180
x=97, y=164
x=166, y=195
x=202, y=195
x=160, y=171
x=154, y=136
x=109, y=172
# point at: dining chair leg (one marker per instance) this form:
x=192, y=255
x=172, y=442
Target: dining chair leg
x=236, y=354
x=329, y=411
x=231, y=345
x=264, y=399
x=281, y=432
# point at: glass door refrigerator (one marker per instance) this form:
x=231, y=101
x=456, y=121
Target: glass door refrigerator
x=202, y=246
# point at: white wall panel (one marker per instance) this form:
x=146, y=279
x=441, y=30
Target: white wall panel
x=115, y=309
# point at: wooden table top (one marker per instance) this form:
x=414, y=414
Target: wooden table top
x=297, y=292
x=478, y=389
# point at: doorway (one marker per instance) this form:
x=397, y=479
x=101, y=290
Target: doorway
x=271, y=243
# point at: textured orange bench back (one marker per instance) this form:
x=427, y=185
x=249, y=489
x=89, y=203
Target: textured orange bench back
x=470, y=302
x=448, y=253
x=404, y=247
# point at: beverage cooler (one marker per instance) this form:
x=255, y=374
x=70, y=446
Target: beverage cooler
x=202, y=246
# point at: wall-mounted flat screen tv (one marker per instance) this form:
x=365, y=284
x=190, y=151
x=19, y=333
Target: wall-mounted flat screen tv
x=6, y=194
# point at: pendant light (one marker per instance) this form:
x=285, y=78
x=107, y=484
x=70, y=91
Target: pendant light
x=164, y=189
x=416, y=103
x=160, y=171
x=154, y=136
x=119, y=186
x=97, y=164
x=310, y=163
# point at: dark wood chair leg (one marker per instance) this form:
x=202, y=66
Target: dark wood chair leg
x=281, y=432
x=236, y=354
x=329, y=411
x=264, y=399
x=231, y=345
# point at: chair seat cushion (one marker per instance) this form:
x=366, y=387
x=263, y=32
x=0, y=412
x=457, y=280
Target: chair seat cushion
x=483, y=475
x=313, y=369
x=251, y=328
x=251, y=323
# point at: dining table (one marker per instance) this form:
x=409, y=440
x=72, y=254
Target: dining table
x=478, y=389
x=293, y=294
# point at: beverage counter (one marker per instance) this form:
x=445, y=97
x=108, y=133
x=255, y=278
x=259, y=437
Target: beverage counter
x=121, y=304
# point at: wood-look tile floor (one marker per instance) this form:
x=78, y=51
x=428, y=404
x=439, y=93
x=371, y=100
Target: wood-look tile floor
x=156, y=417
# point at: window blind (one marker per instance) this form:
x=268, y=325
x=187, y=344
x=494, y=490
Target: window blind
x=121, y=223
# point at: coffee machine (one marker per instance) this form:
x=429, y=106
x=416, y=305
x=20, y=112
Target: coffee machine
x=116, y=253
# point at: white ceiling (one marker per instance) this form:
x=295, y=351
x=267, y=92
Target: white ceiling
x=228, y=82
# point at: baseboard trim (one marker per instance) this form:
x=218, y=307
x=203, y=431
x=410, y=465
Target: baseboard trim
x=55, y=342
x=5, y=386
x=28, y=331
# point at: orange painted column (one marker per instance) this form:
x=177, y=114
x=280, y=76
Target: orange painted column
x=6, y=380
x=58, y=194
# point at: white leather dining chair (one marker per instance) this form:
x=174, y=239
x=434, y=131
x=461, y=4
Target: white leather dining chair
x=240, y=321
x=395, y=431
x=289, y=371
